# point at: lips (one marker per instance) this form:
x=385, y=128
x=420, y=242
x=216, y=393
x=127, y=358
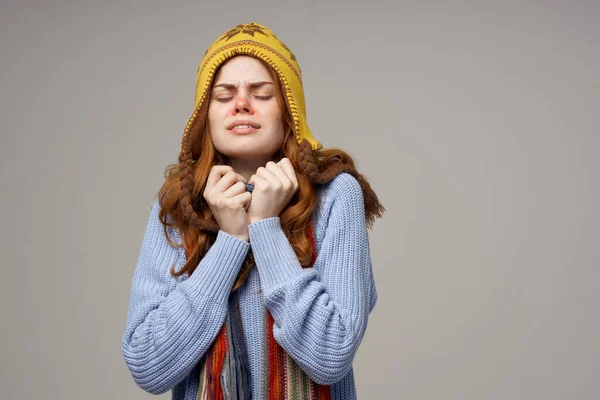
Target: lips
x=243, y=122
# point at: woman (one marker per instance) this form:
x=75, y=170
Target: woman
x=254, y=277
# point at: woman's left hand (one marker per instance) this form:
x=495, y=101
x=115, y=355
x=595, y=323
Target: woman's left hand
x=274, y=187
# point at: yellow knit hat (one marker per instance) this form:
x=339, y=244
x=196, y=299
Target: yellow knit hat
x=258, y=41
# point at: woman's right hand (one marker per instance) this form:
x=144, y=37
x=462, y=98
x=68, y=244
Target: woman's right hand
x=228, y=200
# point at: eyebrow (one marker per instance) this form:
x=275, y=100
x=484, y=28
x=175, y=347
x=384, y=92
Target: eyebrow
x=251, y=85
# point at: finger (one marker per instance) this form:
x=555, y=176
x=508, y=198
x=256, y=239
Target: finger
x=243, y=199
x=228, y=180
x=235, y=189
x=278, y=172
x=257, y=181
x=286, y=165
x=268, y=176
x=216, y=173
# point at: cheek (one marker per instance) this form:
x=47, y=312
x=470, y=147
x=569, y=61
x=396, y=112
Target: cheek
x=212, y=112
x=216, y=115
x=274, y=115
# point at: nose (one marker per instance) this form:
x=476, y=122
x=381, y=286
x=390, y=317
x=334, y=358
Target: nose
x=242, y=104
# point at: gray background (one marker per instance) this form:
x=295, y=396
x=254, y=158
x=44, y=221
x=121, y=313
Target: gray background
x=476, y=123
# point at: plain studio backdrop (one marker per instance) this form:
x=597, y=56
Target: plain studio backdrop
x=477, y=123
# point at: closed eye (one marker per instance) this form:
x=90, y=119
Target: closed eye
x=226, y=99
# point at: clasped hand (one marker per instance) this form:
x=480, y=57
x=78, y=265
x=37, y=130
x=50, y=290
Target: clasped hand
x=274, y=187
x=234, y=208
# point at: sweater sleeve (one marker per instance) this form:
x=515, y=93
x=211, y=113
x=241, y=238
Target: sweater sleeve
x=172, y=322
x=320, y=314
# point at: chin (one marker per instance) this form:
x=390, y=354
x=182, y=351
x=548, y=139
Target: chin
x=248, y=146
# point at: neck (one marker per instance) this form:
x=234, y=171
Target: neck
x=248, y=167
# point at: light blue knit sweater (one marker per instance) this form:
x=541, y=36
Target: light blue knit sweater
x=320, y=313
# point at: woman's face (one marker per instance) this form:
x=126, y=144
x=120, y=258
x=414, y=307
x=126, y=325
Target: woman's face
x=244, y=93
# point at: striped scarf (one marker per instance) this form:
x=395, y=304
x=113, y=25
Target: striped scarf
x=225, y=369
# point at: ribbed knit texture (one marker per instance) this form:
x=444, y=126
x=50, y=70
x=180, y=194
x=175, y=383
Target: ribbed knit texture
x=320, y=314
x=225, y=367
